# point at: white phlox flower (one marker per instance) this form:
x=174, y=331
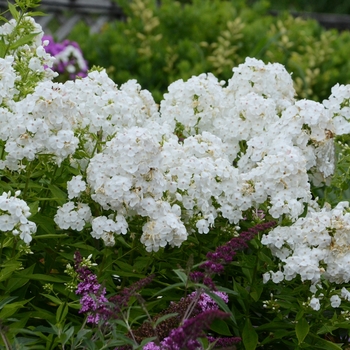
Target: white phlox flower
x=315, y=304
x=127, y=171
x=314, y=246
x=75, y=187
x=106, y=228
x=14, y=213
x=195, y=104
x=166, y=229
x=335, y=301
x=73, y=216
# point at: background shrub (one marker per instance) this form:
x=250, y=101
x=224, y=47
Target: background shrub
x=159, y=44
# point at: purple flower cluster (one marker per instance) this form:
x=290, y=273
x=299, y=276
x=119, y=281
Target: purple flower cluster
x=69, y=58
x=121, y=300
x=205, y=302
x=225, y=254
x=93, y=300
x=185, y=337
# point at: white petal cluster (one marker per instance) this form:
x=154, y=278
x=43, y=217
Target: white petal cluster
x=75, y=187
x=208, y=151
x=14, y=213
x=314, y=246
x=41, y=123
x=165, y=227
x=8, y=78
x=105, y=228
x=126, y=171
x=73, y=216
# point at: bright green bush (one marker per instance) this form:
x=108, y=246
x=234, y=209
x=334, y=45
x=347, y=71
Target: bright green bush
x=159, y=44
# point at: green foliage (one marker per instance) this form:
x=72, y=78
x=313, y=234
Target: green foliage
x=341, y=6
x=159, y=44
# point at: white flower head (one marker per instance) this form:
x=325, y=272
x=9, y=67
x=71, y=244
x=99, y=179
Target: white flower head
x=335, y=301
x=315, y=304
x=75, y=187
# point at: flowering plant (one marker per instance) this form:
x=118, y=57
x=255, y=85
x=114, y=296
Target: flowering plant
x=198, y=181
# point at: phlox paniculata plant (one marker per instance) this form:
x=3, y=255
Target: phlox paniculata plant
x=209, y=152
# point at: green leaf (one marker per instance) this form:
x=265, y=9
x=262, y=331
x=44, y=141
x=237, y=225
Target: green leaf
x=59, y=196
x=68, y=333
x=256, y=291
x=42, y=278
x=16, y=283
x=249, y=336
x=54, y=299
x=34, y=207
x=8, y=271
x=183, y=277
x=6, y=301
x=26, y=39
x=61, y=313
x=220, y=327
x=44, y=329
x=9, y=309
x=172, y=286
x=222, y=305
x=51, y=235
x=299, y=315
x=165, y=317
x=45, y=223
x=3, y=48
x=328, y=329
x=302, y=329
x=36, y=14
x=324, y=344
x=14, y=12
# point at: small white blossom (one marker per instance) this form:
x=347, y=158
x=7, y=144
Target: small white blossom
x=75, y=187
x=315, y=304
x=335, y=301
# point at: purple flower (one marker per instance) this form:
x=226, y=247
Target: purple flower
x=121, y=300
x=225, y=254
x=69, y=57
x=185, y=337
x=205, y=302
x=93, y=300
x=151, y=346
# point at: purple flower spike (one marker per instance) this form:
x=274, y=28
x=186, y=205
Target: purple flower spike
x=185, y=337
x=93, y=300
x=225, y=254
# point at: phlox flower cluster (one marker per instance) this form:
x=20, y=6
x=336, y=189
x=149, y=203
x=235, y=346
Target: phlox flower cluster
x=208, y=151
x=335, y=300
x=68, y=57
x=315, y=245
x=14, y=213
x=316, y=248
x=31, y=55
x=73, y=216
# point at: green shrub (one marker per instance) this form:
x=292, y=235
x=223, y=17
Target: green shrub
x=159, y=44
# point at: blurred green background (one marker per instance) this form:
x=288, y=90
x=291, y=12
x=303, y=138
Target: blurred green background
x=159, y=44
